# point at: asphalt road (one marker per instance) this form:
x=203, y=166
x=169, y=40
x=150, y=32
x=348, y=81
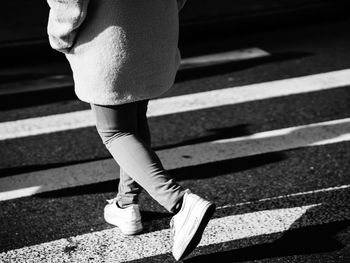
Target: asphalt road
x=284, y=205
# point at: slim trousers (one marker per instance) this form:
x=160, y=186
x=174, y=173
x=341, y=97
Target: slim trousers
x=125, y=132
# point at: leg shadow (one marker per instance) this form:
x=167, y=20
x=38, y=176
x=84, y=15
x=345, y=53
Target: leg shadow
x=213, y=134
x=303, y=238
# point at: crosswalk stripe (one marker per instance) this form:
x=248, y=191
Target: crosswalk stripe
x=315, y=134
x=224, y=57
x=111, y=246
x=183, y=103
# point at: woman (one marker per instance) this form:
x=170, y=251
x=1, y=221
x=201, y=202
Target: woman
x=124, y=53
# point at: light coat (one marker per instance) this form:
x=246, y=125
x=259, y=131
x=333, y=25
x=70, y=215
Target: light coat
x=120, y=51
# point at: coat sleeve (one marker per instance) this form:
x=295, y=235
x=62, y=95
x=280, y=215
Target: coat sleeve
x=65, y=18
x=180, y=4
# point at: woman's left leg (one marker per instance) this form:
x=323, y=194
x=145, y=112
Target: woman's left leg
x=128, y=189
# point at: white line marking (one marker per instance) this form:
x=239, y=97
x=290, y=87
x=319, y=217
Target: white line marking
x=98, y=171
x=264, y=142
x=183, y=103
x=64, y=81
x=323, y=190
x=236, y=55
x=111, y=246
x=57, y=178
x=26, y=191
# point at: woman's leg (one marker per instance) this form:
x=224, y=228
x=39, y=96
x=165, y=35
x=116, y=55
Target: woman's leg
x=117, y=126
x=128, y=189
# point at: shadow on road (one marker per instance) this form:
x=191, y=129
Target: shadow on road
x=214, y=169
x=212, y=135
x=302, y=241
x=207, y=170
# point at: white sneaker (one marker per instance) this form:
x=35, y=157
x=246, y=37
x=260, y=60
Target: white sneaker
x=128, y=219
x=189, y=223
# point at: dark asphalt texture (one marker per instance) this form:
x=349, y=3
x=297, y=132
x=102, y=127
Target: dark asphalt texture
x=320, y=235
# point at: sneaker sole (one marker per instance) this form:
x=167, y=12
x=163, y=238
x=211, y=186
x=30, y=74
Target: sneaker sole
x=126, y=231
x=199, y=232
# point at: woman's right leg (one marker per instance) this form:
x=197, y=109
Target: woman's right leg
x=117, y=126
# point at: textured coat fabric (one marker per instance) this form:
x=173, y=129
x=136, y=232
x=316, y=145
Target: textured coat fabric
x=120, y=51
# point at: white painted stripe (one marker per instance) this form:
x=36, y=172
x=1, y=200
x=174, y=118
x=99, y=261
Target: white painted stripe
x=183, y=103
x=57, y=178
x=264, y=142
x=111, y=246
x=26, y=191
x=323, y=190
x=64, y=81
x=98, y=171
x=231, y=56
